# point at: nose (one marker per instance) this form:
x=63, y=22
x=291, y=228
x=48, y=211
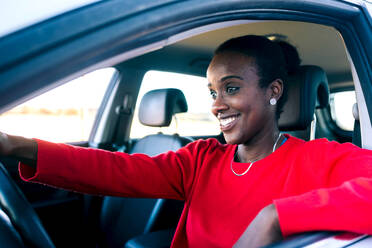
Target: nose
x=219, y=105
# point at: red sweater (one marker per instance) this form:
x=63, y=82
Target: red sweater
x=316, y=185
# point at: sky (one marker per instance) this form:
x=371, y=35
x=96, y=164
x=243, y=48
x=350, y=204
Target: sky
x=85, y=91
x=15, y=14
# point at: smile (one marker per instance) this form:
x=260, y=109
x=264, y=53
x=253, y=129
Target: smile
x=228, y=122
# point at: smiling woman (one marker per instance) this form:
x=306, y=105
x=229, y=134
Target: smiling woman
x=263, y=185
x=241, y=93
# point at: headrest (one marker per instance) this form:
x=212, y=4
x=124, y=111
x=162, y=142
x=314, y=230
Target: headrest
x=158, y=106
x=307, y=90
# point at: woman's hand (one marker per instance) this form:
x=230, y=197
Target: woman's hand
x=20, y=148
x=263, y=230
x=5, y=149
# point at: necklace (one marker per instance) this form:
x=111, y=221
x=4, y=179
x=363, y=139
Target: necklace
x=251, y=163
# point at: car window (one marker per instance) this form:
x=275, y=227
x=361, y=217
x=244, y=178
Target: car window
x=198, y=121
x=64, y=114
x=341, y=109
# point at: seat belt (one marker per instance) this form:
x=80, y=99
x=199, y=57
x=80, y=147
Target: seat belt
x=357, y=139
x=123, y=111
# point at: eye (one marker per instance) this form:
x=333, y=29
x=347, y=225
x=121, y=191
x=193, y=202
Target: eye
x=213, y=94
x=231, y=90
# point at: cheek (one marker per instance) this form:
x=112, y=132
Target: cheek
x=248, y=102
x=241, y=104
x=255, y=109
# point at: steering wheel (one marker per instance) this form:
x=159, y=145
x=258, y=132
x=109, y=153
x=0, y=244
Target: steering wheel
x=22, y=227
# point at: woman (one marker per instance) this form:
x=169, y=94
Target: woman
x=259, y=187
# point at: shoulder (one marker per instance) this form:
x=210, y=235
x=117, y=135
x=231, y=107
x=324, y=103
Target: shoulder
x=332, y=149
x=318, y=144
x=200, y=151
x=210, y=143
x=323, y=143
x=293, y=142
x=207, y=146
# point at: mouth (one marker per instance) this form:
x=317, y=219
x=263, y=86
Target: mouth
x=227, y=122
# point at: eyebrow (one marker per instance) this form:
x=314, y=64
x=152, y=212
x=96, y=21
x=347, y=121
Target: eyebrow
x=230, y=76
x=227, y=77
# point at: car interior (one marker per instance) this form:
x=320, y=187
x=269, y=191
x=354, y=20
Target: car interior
x=41, y=216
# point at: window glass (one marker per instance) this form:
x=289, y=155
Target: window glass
x=197, y=121
x=342, y=109
x=64, y=114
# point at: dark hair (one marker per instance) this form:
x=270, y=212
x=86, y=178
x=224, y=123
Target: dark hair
x=291, y=55
x=274, y=59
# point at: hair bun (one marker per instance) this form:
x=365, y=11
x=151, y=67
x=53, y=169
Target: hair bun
x=291, y=55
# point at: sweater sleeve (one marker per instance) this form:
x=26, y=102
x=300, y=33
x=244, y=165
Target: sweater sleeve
x=344, y=202
x=95, y=171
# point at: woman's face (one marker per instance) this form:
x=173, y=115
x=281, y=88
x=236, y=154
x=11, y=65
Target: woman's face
x=239, y=103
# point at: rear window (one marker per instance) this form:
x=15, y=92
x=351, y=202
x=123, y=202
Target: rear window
x=198, y=121
x=342, y=109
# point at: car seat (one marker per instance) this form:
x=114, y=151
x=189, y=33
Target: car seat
x=123, y=218
x=307, y=90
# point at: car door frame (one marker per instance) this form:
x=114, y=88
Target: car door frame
x=106, y=33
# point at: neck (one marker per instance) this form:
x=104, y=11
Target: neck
x=259, y=146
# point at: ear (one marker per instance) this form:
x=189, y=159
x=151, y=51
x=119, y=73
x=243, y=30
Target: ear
x=275, y=89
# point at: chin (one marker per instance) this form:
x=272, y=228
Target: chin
x=232, y=140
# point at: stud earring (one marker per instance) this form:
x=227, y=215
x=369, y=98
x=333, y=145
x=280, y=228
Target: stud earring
x=273, y=101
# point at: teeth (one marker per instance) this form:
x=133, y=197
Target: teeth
x=227, y=121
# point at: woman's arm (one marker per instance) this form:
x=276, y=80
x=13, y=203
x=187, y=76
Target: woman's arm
x=22, y=149
x=263, y=230
x=343, y=208
x=95, y=171
x=341, y=199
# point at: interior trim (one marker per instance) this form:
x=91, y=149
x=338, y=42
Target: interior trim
x=365, y=121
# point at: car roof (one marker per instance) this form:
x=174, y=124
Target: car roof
x=317, y=45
